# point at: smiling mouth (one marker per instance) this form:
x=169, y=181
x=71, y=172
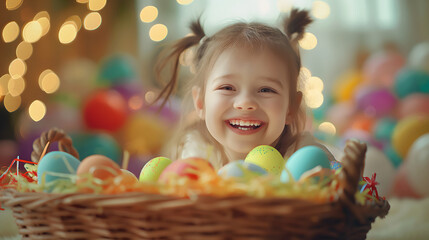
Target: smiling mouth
x=245, y=125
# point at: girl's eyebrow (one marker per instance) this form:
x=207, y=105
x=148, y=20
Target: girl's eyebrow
x=226, y=76
x=273, y=80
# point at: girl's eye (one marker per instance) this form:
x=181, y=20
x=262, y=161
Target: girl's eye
x=267, y=90
x=227, y=88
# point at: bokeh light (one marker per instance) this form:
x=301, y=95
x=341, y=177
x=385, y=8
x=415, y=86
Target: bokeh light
x=24, y=50
x=32, y=32
x=184, y=2
x=17, y=68
x=16, y=86
x=149, y=97
x=44, y=20
x=305, y=73
x=11, y=103
x=313, y=98
x=67, y=33
x=327, y=127
x=314, y=83
x=284, y=5
x=4, y=81
x=96, y=5
x=135, y=103
x=82, y=1
x=148, y=14
x=158, y=32
x=76, y=21
x=49, y=82
x=308, y=42
x=92, y=21
x=320, y=10
x=13, y=4
x=37, y=110
x=10, y=32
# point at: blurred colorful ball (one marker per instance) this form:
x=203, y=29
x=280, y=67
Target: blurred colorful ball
x=411, y=81
x=363, y=122
x=88, y=144
x=418, y=58
x=133, y=95
x=361, y=135
x=116, y=70
x=383, y=129
x=340, y=115
x=393, y=155
x=345, y=86
x=377, y=102
x=407, y=131
x=418, y=165
x=377, y=162
x=381, y=68
x=401, y=185
x=105, y=110
x=414, y=104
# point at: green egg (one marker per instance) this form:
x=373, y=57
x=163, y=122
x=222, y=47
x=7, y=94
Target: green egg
x=153, y=169
x=267, y=158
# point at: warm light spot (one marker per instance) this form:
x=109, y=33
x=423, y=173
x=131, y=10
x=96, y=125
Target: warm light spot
x=13, y=4
x=314, y=83
x=308, y=42
x=184, y=2
x=284, y=5
x=17, y=68
x=327, y=127
x=11, y=103
x=49, y=82
x=313, y=98
x=148, y=14
x=44, y=20
x=92, y=21
x=32, y=32
x=76, y=21
x=82, y=1
x=24, y=50
x=320, y=9
x=96, y=5
x=16, y=86
x=10, y=32
x=158, y=32
x=305, y=73
x=135, y=103
x=67, y=33
x=37, y=110
x=4, y=81
x=150, y=96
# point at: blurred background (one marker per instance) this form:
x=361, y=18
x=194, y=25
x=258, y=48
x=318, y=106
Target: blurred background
x=86, y=66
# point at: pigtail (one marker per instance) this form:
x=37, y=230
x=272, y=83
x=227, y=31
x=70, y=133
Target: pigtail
x=295, y=24
x=173, y=59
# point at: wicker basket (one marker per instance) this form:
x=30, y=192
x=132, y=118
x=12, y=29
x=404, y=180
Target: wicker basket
x=152, y=216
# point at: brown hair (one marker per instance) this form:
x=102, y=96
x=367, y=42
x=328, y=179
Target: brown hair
x=254, y=36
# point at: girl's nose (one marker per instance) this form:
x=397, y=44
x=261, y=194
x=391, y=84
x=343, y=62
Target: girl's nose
x=245, y=102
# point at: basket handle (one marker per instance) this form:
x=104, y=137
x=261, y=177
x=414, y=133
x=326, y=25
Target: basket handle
x=353, y=163
x=41, y=145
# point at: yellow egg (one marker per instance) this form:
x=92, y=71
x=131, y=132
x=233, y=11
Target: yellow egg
x=407, y=131
x=267, y=158
x=153, y=169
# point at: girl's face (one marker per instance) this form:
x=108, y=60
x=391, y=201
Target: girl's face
x=245, y=101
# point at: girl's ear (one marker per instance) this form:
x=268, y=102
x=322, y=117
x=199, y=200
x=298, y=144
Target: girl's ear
x=294, y=109
x=198, y=102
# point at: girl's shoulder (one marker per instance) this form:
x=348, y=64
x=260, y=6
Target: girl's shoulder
x=194, y=145
x=307, y=139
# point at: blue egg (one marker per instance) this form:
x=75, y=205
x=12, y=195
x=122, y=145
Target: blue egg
x=305, y=159
x=240, y=168
x=56, y=162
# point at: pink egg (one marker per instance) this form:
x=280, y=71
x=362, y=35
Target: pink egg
x=99, y=166
x=191, y=168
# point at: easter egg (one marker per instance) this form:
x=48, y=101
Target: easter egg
x=56, y=162
x=126, y=177
x=267, y=158
x=99, y=166
x=407, y=131
x=377, y=162
x=418, y=165
x=153, y=169
x=191, y=168
x=240, y=169
x=305, y=159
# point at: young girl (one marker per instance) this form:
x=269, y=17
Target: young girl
x=244, y=92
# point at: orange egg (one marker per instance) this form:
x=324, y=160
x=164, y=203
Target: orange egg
x=99, y=166
x=126, y=178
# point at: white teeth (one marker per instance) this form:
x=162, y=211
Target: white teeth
x=244, y=123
